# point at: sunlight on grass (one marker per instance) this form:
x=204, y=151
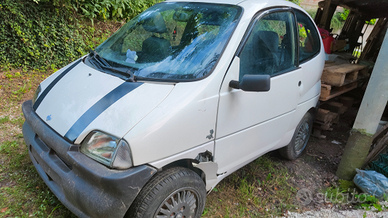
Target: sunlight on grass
x=259, y=189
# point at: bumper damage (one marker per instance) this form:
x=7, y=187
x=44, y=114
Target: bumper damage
x=84, y=186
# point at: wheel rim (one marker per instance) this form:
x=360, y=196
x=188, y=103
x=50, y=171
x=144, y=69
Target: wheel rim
x=302, y=137
x=180, y=204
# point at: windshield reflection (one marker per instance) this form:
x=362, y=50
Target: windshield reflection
x=172, y=41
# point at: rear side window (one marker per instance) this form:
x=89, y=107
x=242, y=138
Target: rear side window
x=309, y=42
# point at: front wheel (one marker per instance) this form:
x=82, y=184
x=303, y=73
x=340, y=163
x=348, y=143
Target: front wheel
x=173, y=193
x=299, y=141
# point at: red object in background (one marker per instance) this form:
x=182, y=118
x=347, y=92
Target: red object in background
x=327, y=40
x=323, y=31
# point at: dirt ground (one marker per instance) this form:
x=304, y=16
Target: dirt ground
x=315, y=170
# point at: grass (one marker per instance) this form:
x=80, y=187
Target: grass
x=22, y=192
x=260, y=189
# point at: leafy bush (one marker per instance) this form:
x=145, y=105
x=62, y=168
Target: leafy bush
x=50, y=34
x=111, y=9
x=337, y=22
x=37, y=35
x=295, y=1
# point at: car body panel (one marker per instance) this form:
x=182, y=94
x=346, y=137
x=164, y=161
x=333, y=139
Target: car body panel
x=89, y=86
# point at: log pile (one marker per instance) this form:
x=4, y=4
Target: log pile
x=329, y=114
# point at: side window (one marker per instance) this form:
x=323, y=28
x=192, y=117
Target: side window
x=309, y=42
x=270, y=48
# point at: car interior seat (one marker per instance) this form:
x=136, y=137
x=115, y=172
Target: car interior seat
x=259, y=55
x=265, y=49
x=154, y=48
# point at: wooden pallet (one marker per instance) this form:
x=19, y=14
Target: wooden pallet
x=329, y=92
x=339, y=75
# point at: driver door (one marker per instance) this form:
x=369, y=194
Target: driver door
x=251, y=123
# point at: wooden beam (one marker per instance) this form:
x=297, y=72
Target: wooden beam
x=318, y=16
x=367, y=53
x=327, y=14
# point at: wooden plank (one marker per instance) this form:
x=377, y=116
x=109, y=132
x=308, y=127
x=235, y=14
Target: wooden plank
x=325, y=116
x=335, y=91
x=326, y=126
x=378, y=135
x=330, y=63
x=335, y=107
x=318, y=133
x=343, y=68
x=346, y=101
x=322, y=114
x=325, y=91
x=339, y=75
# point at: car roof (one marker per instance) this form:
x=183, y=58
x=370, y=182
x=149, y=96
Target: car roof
x=245, y=3
x=231, y=2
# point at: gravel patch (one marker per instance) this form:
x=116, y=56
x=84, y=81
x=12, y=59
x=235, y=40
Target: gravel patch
x=336, y=213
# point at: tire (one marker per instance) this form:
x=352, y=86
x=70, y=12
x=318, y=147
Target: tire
x=299, y=141
x=176, y=192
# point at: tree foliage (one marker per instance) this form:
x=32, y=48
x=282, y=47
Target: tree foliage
x=37, y=35
x=50, y=33
x=295, y=1
x=111, y=9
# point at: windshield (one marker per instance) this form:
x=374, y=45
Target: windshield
x=172, y=41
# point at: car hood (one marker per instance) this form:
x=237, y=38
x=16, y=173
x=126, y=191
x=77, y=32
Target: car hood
x=78, y=99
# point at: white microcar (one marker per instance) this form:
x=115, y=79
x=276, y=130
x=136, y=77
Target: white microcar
x=180, y=97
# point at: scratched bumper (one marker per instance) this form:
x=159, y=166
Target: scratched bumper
x=84, y=186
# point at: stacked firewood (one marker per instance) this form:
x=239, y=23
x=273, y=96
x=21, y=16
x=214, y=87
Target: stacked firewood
x=329, y=113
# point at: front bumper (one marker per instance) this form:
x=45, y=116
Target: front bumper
x=84, y=186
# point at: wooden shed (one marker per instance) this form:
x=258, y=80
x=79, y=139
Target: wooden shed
x=368, y=62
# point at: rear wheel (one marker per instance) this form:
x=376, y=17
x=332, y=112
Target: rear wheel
x=299, y=141
x=173, y=193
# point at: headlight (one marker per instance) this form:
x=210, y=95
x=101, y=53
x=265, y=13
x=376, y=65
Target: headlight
x=36, y=94
x=108, y=150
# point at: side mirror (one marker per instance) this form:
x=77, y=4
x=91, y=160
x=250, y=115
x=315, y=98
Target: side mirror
x=252, y=83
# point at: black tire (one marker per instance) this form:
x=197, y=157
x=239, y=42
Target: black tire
x=299, y=141
x=181, y=189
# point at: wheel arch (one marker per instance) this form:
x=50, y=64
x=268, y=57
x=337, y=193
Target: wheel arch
x=186, y=163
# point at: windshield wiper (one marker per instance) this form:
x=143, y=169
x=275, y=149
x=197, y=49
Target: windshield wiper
x=103, y=64
x=98, y=58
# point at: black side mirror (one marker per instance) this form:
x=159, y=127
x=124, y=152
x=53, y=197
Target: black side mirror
x=252, y=83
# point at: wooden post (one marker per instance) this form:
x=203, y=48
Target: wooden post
x=327, y=15
x=370, y=47
x=318, y=15
x=368, y=117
